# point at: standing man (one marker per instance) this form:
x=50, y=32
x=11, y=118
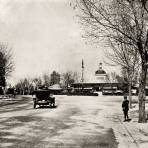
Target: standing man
x=125, y=107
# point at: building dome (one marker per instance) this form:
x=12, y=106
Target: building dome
x=100, y=72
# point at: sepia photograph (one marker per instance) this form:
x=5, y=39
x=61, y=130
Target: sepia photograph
x=73, y=73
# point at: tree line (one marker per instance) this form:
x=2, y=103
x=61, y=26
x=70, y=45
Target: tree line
x=28, y=85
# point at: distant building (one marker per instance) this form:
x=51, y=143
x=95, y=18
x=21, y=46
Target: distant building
x=100, y=75
x=97, y=83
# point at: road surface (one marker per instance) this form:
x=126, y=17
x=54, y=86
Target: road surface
x=76, y=122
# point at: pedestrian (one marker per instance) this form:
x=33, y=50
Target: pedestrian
x=125, y=107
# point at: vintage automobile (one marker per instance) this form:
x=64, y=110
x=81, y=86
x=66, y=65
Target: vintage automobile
x=11, y=92
x=43, y=98
x=118, y=92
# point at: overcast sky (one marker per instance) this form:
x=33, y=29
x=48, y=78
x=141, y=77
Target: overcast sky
x=45, y=36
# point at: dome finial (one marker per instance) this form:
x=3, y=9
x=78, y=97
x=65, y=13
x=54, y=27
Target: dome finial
x=100, y=70
x=100, y=66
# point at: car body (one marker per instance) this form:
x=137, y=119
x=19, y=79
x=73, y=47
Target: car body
x=108, y=90
x=43, y=98
x=11, y=92
x=118, y=92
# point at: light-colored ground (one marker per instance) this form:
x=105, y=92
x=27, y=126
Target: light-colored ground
x=77, y=121
x=73, y=123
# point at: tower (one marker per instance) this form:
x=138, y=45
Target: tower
x=82, y=78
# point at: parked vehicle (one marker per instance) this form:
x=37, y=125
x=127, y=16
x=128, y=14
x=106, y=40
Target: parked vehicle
x=43, y=98
x=83, y=92
x=118, y=92
x=11, y=92
x=109, y=90
x=1, y=91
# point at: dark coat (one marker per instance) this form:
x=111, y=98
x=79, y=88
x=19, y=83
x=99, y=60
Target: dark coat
x=125, y=105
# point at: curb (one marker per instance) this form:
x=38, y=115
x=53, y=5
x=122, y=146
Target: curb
x=128, y=133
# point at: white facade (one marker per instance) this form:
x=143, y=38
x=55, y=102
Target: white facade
x=100, y=78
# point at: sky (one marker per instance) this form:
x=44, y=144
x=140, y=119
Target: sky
x=44, y=36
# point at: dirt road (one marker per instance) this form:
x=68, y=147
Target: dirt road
x=75, y=123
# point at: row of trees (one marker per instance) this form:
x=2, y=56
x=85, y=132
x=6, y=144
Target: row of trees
x=123, y=27
x=27, y=85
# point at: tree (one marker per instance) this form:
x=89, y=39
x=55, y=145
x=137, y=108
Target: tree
x=6, y=63
x=121, y=79
x=69, y=77
x=124, y=22
x=54, y=78
x=24, y=86
x=46, y=79
x=20, y=87
x=37, y=82
x=112, y=77
x=128, y=61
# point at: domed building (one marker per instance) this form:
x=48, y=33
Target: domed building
x=98, y=82
x=100, y=75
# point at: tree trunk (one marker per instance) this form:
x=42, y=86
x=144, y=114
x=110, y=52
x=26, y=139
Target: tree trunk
x=130, y=94
x=141, y=95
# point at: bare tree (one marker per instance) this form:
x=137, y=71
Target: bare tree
x=37, y=82
x=46, y=79
x=131, y=76
x=24, y=86
x=20, y=87
x=124, y=22
x=69, y=77
x=6, y=63
x=112, y=77
x=123, y=55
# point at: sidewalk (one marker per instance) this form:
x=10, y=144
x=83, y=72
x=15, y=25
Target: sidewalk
x=125, y=132
x=137, y=133
x=128, y=134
